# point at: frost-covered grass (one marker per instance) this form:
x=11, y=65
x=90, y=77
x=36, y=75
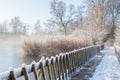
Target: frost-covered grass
x=49, y=46
x=109, y=67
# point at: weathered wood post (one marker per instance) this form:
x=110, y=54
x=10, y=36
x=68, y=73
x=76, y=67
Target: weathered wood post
x=34, y=70
x=24, y=72
x=41, y=69
x=12, y=75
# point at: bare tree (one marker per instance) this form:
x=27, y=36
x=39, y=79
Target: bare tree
x=37, y=26
x=95, y=19
x=16, y=24
x=50, y=27
x=25, y=27
x=113, y=13
x=62, y=15
x=3, y=26
x=79, y=16
x=103, y=15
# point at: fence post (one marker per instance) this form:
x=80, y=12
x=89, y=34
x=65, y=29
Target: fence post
x=41, y=72
x=75, y=61
x=53, y=68
x=65, y=65
x=70, y=57
x=61, y=67
x=34, y=70
x=48, y=68
x=42, y=68
x=12, y=75
x=24, y=71
x=82, y=58
x=57, y=65
x=79, y=61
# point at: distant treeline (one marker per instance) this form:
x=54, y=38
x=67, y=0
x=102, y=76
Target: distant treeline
x=98, y=19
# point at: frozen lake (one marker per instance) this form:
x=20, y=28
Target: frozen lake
x=10, y=55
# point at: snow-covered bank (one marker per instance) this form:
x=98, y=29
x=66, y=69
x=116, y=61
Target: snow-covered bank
x=108, y=68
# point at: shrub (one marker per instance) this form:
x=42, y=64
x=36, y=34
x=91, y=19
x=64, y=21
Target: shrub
x=50, y=46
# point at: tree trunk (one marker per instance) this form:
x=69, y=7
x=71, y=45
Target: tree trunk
x=65, y=31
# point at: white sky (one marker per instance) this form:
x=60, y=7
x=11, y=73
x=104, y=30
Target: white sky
x=29, y=10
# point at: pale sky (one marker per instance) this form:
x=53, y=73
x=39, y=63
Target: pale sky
x=29, y=11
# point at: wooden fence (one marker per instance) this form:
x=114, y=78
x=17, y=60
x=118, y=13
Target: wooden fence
x=117, y=51
x=60, y=67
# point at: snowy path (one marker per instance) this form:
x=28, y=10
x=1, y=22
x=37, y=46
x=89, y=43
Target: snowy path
x=108, y=68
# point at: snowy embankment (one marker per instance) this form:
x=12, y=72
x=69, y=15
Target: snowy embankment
x=108, y=68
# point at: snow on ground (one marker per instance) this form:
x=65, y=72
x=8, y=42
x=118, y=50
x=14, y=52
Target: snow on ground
x=108, y=68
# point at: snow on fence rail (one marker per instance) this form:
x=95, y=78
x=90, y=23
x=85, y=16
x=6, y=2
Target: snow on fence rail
x=117, y=51
x=59, y=67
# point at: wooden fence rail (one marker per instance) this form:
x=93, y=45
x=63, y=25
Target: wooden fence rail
x=59, y=67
